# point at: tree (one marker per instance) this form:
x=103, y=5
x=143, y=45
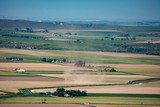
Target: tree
x=16, y=29
x=134, y=38
x=68, y=33
x=112, y=38
x=45, y=31
x=113, y=70
x=44, y=59
x=64, y=60
x=80, y=63
x=29, y=30
x=59, y=92
x=76, y=93
x=84, y=93
x=49, y=60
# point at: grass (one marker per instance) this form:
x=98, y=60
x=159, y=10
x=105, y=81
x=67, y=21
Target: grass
x=44, y=72
x=28, y=73
x=142, y=71
x=9, y=73
x=82, y=100
x=123, y=95
x=27, y=58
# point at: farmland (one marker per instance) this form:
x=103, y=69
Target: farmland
x=50, y=58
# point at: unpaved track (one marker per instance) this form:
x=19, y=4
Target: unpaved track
x=28, y=52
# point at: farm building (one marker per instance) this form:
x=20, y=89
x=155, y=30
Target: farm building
x=19, y=70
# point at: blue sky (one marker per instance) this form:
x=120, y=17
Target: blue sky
x=114, y=10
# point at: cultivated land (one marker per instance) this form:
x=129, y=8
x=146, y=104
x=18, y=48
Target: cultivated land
x=136, y=84
x=39, y=66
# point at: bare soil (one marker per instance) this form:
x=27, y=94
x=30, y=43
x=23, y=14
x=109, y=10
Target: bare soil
x=39, y=67
x=125, y=106
x=121, y=89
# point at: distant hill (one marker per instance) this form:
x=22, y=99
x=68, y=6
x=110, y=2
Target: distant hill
x=12, y=24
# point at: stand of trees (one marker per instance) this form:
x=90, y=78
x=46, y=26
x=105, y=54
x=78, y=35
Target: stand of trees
x=61, y=92
x=54, y=60
x=108, y=70
x=14, y=58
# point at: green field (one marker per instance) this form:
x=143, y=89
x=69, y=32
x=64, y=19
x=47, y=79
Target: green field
x=82, y=100
x=88, y=58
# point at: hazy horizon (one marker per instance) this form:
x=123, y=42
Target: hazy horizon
x=81, y=10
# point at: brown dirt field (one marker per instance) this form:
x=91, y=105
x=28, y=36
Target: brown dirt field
x=128, y=65
x=87, y=79
x=151, y=84
x=95, y=79
x=125, y=106
x=120, y=89
x=45, y=79
x=114, y=54
x=41, y=105
x=39, y=67
x=13, y=86
x=28, y=52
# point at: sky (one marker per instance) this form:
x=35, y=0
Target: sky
x=81, y=10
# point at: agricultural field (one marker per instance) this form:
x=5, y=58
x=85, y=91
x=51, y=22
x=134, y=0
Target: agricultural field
x=116, y=66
